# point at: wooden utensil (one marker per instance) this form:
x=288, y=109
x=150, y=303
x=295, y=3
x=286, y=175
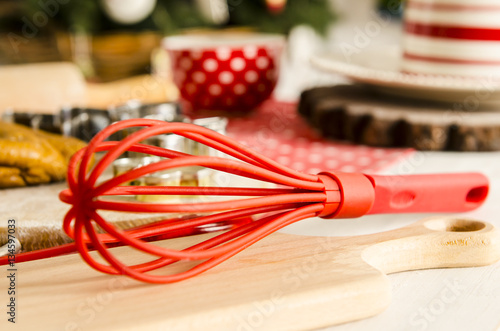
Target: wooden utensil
x=284, y=282
x=48, y=87
x=41, y=87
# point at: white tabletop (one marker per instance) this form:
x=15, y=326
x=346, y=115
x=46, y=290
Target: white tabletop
x=439, y=299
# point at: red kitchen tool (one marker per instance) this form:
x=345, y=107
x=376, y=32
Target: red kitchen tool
x=297, y=196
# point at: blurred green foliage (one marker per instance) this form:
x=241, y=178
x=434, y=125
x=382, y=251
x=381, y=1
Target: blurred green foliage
x=170, y=16
x=315, y=13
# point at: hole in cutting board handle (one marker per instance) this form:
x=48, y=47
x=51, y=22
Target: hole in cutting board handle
x=454, y=225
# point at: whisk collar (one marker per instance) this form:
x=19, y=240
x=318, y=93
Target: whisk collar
x=348, y=195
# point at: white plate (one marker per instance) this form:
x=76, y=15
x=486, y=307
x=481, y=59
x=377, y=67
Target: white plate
x=380, y=68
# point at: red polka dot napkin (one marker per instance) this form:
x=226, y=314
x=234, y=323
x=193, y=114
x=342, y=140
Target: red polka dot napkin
x=276, y=130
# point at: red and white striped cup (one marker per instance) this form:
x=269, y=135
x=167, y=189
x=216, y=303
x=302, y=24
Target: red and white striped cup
x=452, y=37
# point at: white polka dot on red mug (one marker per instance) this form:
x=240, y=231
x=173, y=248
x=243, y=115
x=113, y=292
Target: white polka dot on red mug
x=225, y=71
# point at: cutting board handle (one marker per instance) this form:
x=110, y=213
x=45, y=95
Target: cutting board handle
x=437, y=242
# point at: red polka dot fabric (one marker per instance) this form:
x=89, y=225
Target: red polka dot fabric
x=276, y=131
x=226, y=78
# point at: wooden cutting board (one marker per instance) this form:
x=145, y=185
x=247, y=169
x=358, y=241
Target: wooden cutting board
x=284, y=282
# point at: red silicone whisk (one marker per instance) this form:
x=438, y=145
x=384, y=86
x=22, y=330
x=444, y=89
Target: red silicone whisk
x=296, y=196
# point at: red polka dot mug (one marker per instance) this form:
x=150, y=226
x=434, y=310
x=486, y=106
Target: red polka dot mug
x=227, y=71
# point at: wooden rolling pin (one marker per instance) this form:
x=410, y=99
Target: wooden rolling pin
x=41, y=88
x=48, y=87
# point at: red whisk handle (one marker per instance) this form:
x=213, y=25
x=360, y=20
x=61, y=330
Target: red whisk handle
x=440, y=193
x=350, y=195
